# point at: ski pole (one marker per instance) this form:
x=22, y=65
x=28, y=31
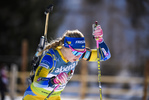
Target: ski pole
x=52, y=92
x=69, y=75
x=98, y=61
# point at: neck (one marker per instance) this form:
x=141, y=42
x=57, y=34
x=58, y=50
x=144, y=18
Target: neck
x=63, y=51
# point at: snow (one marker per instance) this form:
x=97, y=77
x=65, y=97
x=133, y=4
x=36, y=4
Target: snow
x=63, y=98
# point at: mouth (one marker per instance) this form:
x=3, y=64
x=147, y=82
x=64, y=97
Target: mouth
x=74, y=60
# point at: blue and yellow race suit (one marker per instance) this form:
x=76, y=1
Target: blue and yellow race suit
x=52, y=64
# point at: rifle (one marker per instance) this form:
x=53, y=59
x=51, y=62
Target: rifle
x=42, y=44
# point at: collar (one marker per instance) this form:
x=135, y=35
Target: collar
x=60, y=53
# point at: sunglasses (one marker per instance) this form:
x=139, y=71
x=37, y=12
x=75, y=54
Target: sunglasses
x=76, y=52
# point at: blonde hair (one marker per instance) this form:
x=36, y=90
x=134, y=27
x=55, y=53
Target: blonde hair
x=60, y=41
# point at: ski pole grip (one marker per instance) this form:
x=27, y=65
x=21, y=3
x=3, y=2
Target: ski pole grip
x=97, y=43
x=96, y=23
x=94, y=26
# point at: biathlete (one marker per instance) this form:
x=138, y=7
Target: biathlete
x=61, y=57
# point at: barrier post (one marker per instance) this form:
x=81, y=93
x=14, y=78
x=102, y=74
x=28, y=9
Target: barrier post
x=146, y=75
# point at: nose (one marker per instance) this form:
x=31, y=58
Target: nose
x=77, y=57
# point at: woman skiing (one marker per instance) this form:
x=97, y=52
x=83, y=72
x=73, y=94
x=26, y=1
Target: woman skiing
x=58, y=63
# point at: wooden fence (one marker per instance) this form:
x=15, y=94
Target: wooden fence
x=94, y=90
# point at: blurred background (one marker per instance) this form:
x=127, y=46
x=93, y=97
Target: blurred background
x=125, y=23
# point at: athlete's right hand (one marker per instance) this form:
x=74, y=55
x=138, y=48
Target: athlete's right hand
x=98, y=33
x=61, y=78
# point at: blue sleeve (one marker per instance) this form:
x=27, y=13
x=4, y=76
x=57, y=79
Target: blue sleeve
x=104, y=51
x=47, y=61
x=45, y=66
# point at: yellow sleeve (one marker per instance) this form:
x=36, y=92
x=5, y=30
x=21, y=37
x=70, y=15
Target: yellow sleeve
x=93, y=56
x=41, y=72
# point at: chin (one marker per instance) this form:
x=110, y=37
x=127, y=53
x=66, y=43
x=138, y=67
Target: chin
x=72, y=61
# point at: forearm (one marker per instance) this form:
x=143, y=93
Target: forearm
x=41, y=79
x=104, y=53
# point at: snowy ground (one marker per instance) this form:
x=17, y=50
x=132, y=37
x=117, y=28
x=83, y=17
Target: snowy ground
x=63, y=98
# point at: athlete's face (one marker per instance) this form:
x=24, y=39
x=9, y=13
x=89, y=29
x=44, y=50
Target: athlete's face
x=71, y=55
